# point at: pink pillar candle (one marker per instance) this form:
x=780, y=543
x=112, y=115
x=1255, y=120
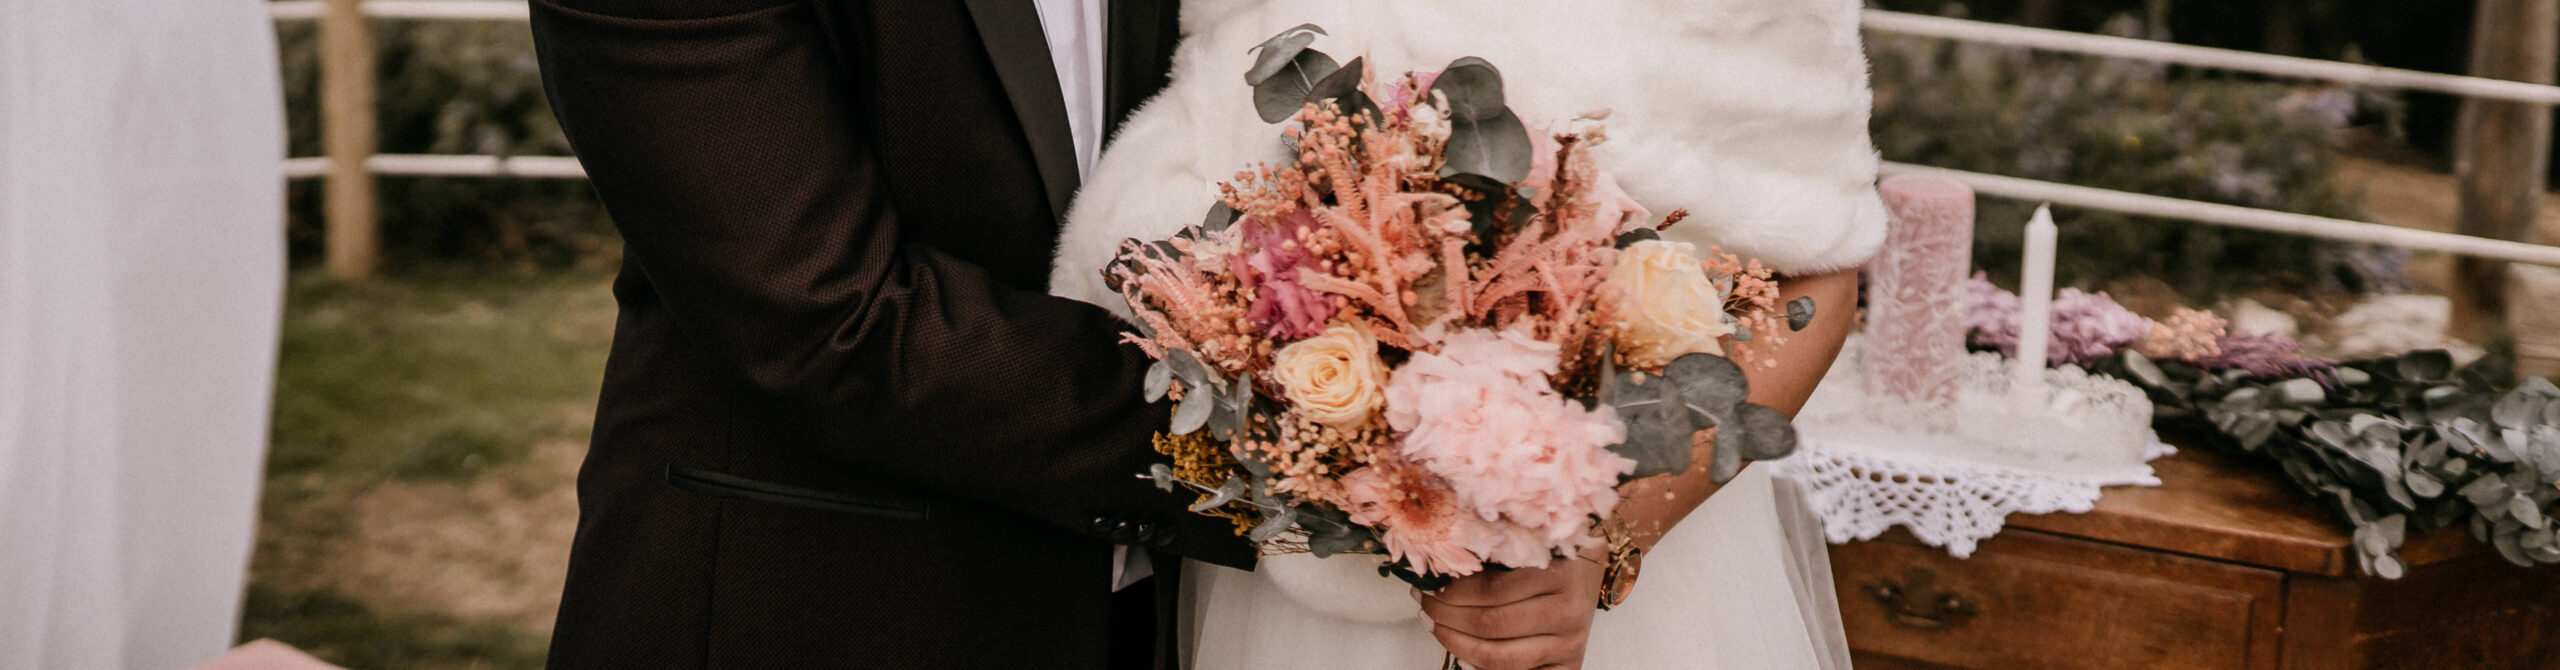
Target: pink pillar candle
x=1913, y=353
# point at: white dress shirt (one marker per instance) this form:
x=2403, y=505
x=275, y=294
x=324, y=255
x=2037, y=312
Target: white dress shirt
x=1075, y=34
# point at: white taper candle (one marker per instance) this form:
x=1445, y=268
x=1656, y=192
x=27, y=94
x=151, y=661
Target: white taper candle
x=2035, y=310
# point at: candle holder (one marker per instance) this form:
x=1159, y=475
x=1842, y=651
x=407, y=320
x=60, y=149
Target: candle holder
x=1909, y=429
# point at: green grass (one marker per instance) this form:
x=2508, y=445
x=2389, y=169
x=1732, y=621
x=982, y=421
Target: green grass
x=437, y=375
x=441, y=375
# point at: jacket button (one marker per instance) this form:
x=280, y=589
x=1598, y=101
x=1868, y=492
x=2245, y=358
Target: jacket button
x=1157, y=536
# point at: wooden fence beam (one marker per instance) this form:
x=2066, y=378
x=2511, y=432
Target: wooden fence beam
x=347, y=122
x=2506, y=161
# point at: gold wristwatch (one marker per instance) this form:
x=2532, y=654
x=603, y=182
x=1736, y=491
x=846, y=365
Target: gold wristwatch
x=1618, y=577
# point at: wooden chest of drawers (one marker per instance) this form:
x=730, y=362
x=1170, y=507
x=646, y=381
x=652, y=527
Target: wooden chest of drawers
x=2224, y=566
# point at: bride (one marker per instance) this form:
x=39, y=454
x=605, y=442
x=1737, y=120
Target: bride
x=1751, y=114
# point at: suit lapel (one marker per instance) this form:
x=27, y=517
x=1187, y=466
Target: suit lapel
x=1138, y=58
x=1010, y=30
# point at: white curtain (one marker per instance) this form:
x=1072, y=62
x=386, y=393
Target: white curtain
x=141, y=268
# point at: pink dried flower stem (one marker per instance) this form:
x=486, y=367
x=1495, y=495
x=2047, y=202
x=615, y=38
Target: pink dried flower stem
x=1385, y=232
x=1753, y=300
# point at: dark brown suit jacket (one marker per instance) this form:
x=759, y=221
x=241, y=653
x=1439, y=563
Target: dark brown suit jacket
x=842, y=425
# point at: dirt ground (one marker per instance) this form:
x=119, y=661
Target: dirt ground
x=2411, y=197
x=495, y=548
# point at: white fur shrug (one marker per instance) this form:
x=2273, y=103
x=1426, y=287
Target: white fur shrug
x=1751, y=114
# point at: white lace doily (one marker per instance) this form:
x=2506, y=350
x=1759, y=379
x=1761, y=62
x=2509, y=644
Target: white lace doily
x=1863, y=473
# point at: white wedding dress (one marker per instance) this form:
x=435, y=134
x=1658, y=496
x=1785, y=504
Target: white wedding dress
x=1752, y=114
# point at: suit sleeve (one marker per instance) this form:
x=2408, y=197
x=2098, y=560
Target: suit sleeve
x=722, y=136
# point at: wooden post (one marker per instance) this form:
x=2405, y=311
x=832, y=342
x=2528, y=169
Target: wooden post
x=347, y=120
x=2507, y=157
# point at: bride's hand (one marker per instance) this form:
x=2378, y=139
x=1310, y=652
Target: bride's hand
x=1536, y=619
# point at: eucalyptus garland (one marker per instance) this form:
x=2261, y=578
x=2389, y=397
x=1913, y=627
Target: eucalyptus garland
x=2398, y=446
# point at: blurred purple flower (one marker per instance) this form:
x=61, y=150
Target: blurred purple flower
x=2087, y=327
x=2266, y=357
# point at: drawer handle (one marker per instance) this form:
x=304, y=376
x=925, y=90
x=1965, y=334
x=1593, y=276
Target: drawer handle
x=1917, y=603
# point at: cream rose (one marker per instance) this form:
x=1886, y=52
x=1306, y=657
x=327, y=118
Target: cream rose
x=1335, y=378
x=1666, y=308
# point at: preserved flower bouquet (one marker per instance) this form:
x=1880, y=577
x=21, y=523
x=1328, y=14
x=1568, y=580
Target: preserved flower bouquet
x=1437, y=336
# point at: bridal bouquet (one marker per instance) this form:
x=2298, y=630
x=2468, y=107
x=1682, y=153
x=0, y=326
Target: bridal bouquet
x=1437, y=336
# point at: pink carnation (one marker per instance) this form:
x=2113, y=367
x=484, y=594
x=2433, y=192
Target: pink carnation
x=1480, y=415
x=1285, y=309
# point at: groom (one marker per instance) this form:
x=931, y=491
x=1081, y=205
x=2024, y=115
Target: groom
x=843, y=425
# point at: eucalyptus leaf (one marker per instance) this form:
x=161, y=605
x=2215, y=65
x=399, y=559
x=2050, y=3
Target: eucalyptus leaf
x=1272, y=526
x=1282, y=96
x=1231, y=491
x=2525, y=512
x=1188, y=417
x=1799, y=312
x=1658, y=425
x=1662, y=413
x=2485, y=490
x=1189, y=369
x=1331, y=533
x=2301, y=392
x=1768, y=434
x=1273, y=55
x=2428, y=365
x=2389, y=567
x=2511, y=550
x=1342, y=86
x=1159, y=380
x=1221, y=215
x=2424, y=485
x=1630, y=238
x=1473, y=88
x=1497, y=148
x=2143, y=370
x=2539, y=387
x=1485, y=137
x=1756, y=434
x=2369, y=540
x=2515, y=410
x=1710, y=384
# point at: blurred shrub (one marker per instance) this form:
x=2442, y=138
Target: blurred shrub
x=2429, y=35
x=455, y=87
x=2126, y=126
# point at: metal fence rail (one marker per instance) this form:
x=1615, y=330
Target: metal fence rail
x=1872, y=20
x=2241, y=217
x=2207, y=57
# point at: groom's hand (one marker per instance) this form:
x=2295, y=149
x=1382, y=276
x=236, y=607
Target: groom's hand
x=1536, y=619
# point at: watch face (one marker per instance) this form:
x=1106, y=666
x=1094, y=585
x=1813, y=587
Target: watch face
x=1619, y=578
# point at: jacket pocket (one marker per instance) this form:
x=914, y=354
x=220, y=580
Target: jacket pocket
x=717, y=485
